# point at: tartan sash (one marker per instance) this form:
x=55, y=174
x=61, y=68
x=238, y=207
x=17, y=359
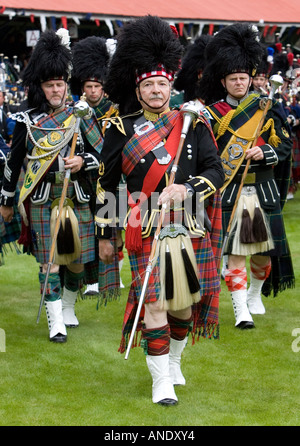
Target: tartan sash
x=169, y=124
x=238, y=133
x=140, y=145
x=244, y=111
x=91, y=130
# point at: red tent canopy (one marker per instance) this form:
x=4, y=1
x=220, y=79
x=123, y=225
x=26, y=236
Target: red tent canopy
x=257, y=11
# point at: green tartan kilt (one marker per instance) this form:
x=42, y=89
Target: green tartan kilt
x=107, y=276
x=10, y=232
x=40, y=216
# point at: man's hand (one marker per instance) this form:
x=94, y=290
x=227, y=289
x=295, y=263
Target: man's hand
x=106, y=251
x=255, y=153
x=176, y=193
x=7, y=213
x=75, y=163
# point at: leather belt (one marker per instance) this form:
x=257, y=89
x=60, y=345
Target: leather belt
x=255, y=177
x=55, y=177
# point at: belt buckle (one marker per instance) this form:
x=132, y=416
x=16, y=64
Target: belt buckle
x=59, y=177
x=250, y=178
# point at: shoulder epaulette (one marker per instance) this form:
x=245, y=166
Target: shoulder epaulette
x=118, y=120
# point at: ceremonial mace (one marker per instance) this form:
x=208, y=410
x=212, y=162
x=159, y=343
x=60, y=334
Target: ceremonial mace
x=276, y=82
x=81, y=110
x=190, y=111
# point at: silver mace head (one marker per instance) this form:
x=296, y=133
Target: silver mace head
x=82, y=109
x=276, y=81
x=190, y=111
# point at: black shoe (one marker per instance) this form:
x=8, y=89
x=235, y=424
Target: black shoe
x=167, y=402
x=244, y=325
x=59, y=338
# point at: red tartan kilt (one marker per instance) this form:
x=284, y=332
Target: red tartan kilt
x=205, y=312
x=207, y=272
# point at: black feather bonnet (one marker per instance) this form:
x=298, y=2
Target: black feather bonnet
x=234, y=49
x=146, y=46
x=50, y=59
x=193, y=64
x=90, y=62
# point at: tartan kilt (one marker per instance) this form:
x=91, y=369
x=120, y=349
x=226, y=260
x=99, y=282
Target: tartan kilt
x=209, y=280
x=10, y=232
x=40, y=216
x=107, y=276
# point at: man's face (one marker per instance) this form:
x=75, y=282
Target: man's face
x=260, y=82
x=1, y=98
x=55, y=92
x=154, y=94
x=237, y=84
x=94, y=92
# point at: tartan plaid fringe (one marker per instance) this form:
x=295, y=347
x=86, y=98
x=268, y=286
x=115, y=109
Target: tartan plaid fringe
x=205, y=324
x=13, y=246
x=207, y=330
x=107, y=296
x=199, y=329
x=125, y=339
x=281, y=277
x=103, y=298
x=288, y=283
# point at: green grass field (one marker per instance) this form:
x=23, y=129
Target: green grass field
x=246, y=378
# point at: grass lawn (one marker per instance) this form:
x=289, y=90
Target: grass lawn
x=246, y=378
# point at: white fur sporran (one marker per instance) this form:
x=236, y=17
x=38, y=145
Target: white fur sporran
x=249, y=201
x=68, y=239
x=179, y=277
